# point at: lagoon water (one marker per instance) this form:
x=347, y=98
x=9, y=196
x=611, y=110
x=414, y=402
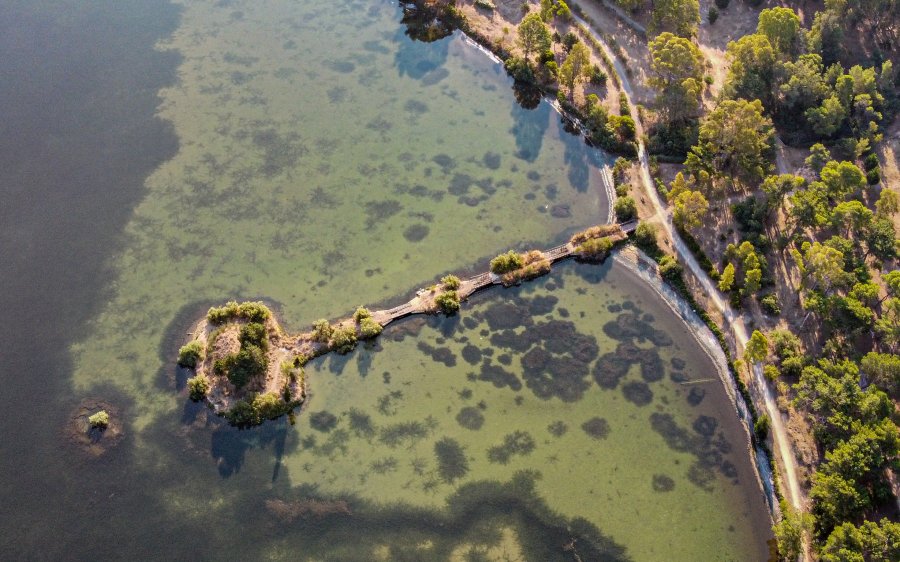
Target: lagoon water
x=164, y=158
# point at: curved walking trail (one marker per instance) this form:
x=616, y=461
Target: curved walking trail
x=762, y=394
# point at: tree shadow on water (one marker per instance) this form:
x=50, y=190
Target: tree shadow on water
x=229, y=445
x=529, y=127
x=579, y=157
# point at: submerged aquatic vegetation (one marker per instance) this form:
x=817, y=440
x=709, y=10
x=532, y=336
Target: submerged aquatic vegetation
x=515, y=443
x=451, y=458
x=323, y=421
x=598, y=428
x=470, y=418
x=638, y=393
x=403, y=433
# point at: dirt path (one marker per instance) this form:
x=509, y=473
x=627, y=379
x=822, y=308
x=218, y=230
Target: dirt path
x=762, y=394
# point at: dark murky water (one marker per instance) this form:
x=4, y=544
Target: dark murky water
x=158, y=159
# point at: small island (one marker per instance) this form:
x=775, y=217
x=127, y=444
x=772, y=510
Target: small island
x=249, y=370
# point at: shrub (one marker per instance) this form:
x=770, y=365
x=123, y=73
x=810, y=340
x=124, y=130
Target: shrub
x=645, y=238
x=254, y=333
x=722, y=4
x=873, y=176
x=712, y=14
x=670, y=269
x=369, y=328
x=249, y=362
x=519, y=69
x=569, y=40
x=771, y=372
x=198, y=386
x=322, y=331
x=450, y=282
x=252, y=311
x=770, y=304
x=547, y=56
x=595, y=250
x=220, y=314
x=360, y=314
x=100, y=420
x=190, y=354
x=504, y=263
x=448, y=302
x=870, y=162
x=343, y=340
x=269, y=406
x=761, y=427
x=598, y=77
x=242, y=414
x=626, y=209
x=793, y=366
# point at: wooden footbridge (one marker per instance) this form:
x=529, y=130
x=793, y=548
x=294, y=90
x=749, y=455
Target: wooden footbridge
x=424, y=301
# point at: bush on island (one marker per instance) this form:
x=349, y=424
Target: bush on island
x=198, y=386
x=322, y=331
x=448, y=302
x=369, y=328
x=252, y=311
x=189, y=354
x=257, y=408
x=360, y=314
x=254, y=333
x=100, y=420
x=249, y=362
x=343, y=340
x=594, y=250
x=504, y=263
x=450, y=282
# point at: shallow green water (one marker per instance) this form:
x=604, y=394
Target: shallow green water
x=325, y=160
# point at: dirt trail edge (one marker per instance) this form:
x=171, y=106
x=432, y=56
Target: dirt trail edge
x=760, y=390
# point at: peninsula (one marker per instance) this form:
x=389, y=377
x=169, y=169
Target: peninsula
x=249, y=370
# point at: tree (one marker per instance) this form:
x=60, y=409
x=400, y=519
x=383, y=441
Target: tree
x=778, y=187
x=888, y=324
x=677, y=66
x=782, y=27
x=881, y=239
x=852, y=471
x=757, y=348
x=690, y=208
x=818, y=157
x=883, y=369
x=888, y=204
x=870, y=542
x=789, y=531
x=726, y=280
x=678, y=16
x=751, y=68
x=826, y=119
x=853, y=216
x=533, y=35
x=803, y=86
x=576, y=67
x=842, y=179
x=752, y=280
x=736, y=137
x=809, y=207
x=823, y=264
